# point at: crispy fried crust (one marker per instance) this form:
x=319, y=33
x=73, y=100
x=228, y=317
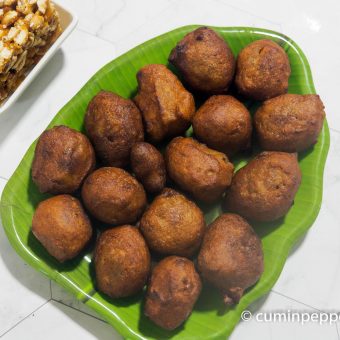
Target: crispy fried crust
x=290, y=122
x=262, y=70
x=63, y=158
x=148, y=165
x=224, y=124
x=113, y=124
x=122, y=262
x=167, y=107
x=172, y=292
x=173, y=225
x=265, y=188
x=113, y=196
x=205, y=61
x=62, y=226
x=231, y=256
x=203, y=172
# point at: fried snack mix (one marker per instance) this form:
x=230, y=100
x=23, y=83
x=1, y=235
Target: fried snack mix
x=27, y=29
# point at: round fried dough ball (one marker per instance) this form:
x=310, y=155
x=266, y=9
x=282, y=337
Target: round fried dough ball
x=173, y=225
x=265, y=188
x=205, y=61
x=203, y=172
x=61, y=226
x=224, y=124
x=121, y=261
x=231, y=256
x=167, y=107
x=113, y=196
x=290, y=122
x=172, y=292
x=262, y=70
x=113, y=124
x=148, y=165
x=63, y=158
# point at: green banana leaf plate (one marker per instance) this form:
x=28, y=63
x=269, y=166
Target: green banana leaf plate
x=210, y=319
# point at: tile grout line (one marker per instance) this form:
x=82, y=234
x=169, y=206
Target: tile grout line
x=337, y=330
x=300, y=302
x=115, y=43
x=78, y=310
x=334, y=130
x=96, y=36
x=228, y=4
x=27, y=316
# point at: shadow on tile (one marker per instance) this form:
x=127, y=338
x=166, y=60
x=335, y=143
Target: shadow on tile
x=98, y=328
x=21, y=272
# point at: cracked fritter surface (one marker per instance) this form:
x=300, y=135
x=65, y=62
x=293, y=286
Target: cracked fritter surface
x=173, y=225
x=121, y=261
x=167, y=107
x=197, y=169
x=63, y=158
x=113, y=124
x=113, y=196
x=290, y=122
x=224, y=124
x=262, y=70
x=265, y=188
x=173, y=289
x=62, y=226
x=205, y=61
x=231, y=256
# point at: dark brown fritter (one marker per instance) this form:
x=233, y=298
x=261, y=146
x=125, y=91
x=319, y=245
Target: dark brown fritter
x=205, y=61
x=121, y=261
x=62, y=226
x=203, y=172
x=113, y=124
x=63, y=158
x=167, y=107
x=290, y=122
x=172, y=292
x=148, y=165
x=113, y=196
x=231, y=256
x=224, y=124
x=265, y=188
x=262, y=70
x=173, y=225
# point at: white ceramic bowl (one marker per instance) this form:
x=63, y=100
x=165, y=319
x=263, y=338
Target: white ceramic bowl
x=68, y=22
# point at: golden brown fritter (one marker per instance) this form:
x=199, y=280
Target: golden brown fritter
x=265, y=188
x=61, y=226
x=63, y=158
x=231, y=256
x=203, y=172
x=224, y=124
x=148, y=165
x=113, y=124
x=167, y=107
x=173, y=225
x=290, y=122
x=113, y=196
x=172, y=292
x=262, y=70
x=205, y=61
x=121, y=261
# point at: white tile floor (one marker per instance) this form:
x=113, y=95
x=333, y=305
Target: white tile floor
x=29, y=307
